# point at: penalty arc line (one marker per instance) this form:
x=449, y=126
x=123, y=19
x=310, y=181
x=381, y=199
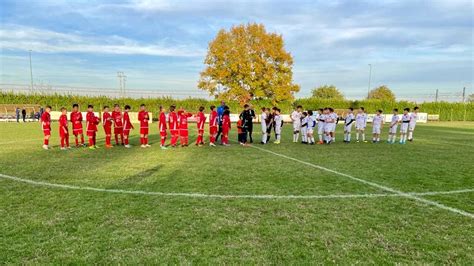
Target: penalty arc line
x=370, y=183
x=202, y=195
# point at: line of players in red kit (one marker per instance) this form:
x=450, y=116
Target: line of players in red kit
x=176, y=122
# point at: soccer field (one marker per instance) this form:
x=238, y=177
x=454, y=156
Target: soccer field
x=287, y=203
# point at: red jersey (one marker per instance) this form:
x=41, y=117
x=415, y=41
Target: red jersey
x=173, y=121
x=117, y=117
x=76, y=119
x=63, y=122
x=143, y=117
x=92, y=122
x=200, y=119
x=162, y=122
x=127, y=125
x=226, y=122
x=46, y=121
x=183, y=120
x=107, y=120
x=213, y=119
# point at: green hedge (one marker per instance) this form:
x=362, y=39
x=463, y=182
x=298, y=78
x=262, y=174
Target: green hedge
x=447, y=111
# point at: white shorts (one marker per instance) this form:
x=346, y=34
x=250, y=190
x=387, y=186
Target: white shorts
x=333, y=127
x=328, y=127
x=348, y=128
x=412, y=126
x=376, y=130
x=264, y=128
x=296, y=126
x=278, y=130
x=404, y=128
x=321, y=128
x=393, y=130
x=303, y=131
x=360, y=126
x=309, y=130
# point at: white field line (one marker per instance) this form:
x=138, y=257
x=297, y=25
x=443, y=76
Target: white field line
x=202, y=195
x=370, y=183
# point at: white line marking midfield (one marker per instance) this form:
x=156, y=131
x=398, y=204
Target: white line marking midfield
x=403, y=194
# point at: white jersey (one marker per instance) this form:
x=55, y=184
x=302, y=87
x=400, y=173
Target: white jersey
x=413, y=117
x=405, y=123
x=263, y=122
x=378, y=121
x=311, y=123
x=394, y=124
x=296, y=118
x=348, y=121
x=361, y=121
x=277, y=119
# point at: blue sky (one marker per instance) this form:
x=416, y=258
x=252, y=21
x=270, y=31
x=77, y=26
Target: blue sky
x=415, y=47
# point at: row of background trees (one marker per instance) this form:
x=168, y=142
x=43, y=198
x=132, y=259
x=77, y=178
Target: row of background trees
x=382, y=93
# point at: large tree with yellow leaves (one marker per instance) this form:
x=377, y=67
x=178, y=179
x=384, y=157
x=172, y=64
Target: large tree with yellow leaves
x=247, y=63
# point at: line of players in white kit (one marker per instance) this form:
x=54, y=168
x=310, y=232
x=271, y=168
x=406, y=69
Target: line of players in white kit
x=326, y=121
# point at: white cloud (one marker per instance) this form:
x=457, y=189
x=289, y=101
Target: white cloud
x=14, y=37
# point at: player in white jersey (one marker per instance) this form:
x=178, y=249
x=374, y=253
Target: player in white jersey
x=278, y=124
x=361, y=124
x=321, y=119
x=310, y=127
x=330, y=124
x=377, y=125
x=411, y=127
x=296, y=119
x=304, y=124
x=334, y=119
x=404, y=125
x=348, y=121
x=392, y=132
x=263, y=122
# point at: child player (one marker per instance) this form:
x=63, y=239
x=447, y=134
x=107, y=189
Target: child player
x=76, y=120
x=118, y=124
x=413, y=118
x=213, y=126
x=404, y=126
x=107, y=121
x=311, y=124
x=392, y=131
x=91, y=125
x=361, y=124
x=46, y=126
x=127, y=126
x=200, y=121
x=173, y=125
x=377, y=125
x=162, y=128
x=263, y=123
x=241, y=132
x=63, y=130
x=183, y=127
x=226, y=127
x=304, y=128
x=296, y=119
x=143, y=118
x=335, y=120
x=348, y=125
x=321, y=119
x=278, y=124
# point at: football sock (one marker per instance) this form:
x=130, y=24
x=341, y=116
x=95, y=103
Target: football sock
x=116, y=139
x=126, y=141
x=348, y=136
x=62, y=142
x=46, y=141
x=82, y=139
x=320, y=137
x=363, y=137
x=67, y=141
x=410, y=135
x=77, y=141
x=357, y=136
x=91, y=142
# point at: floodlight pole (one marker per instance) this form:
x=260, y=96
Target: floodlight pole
x=31, y=72
x=370, y=77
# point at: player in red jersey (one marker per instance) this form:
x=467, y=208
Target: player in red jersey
x=127, y=126
x=76, y=120
x=173, y=125
x=63, y=130
x=212, y=126
x=162, y=127
x=91, y=121
x=183, y=126
x=118, y=124
x=107, y=123
x=200, y=120
x=46, y=126
x=143, y=118
x=225, y=128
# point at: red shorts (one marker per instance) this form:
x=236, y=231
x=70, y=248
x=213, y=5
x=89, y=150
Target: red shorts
x=91, y=133
x=77, y=131
x=225, y=131
x=108, y=130
x=126, y=132
x=213, y=130
x=47, y=132
x=183, y=133
x=118, y=130
x=174, y=132
x=201, y=132
x=63, y=134
x=144, y=130
x=163, y=134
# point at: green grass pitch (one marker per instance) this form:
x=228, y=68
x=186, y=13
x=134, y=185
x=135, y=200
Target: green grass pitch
x=111, y=211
